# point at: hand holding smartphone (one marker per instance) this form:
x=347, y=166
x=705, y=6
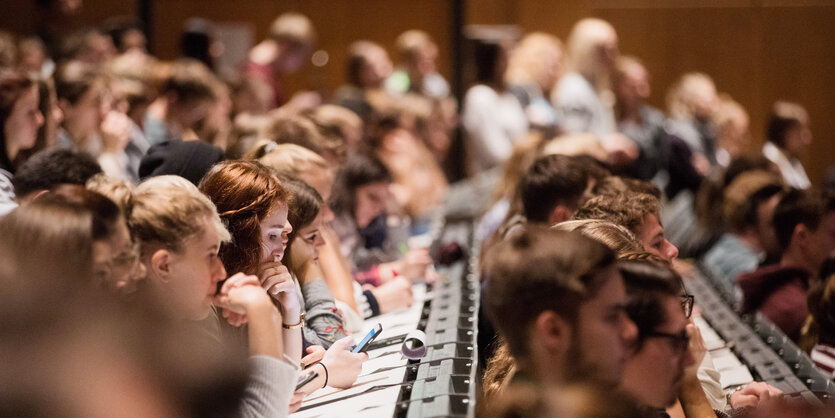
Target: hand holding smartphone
x=371, y=336
x=305, y=379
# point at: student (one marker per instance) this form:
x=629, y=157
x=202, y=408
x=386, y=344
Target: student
x=639, y=213
x=185, y=98
x=53, y=167
x=822, y=325
x=289, y=44
x=636, y=119
x=579, y=95
x=788, y=136
x=492, y=118
x=535, y=65
x=180, y=234
x=367, y=67
x=294, y=161
x=49, y=244
x=417, y=70
x=116, y=265
x=661, y=367
x=375, y=246
x=20, y=119
x=749, y=203
x=804, y=222
x=254, y=204
x=558, y=300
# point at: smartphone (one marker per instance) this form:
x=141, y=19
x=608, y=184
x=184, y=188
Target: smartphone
x=305, y=379
x=361, y=347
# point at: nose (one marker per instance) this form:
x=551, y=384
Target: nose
x=328, y=214
x=629, y=332
x=319, y=241
x=39, y=119
x=671, y=252
x=288, y=228
x=139, y=271
x=220, y=271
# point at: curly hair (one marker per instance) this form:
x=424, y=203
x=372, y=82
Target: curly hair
x=628, y=209
x=245, y=192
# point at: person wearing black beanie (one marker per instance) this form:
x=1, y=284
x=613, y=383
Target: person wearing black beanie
x=188, y=159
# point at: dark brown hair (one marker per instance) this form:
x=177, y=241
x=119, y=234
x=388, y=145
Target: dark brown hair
x=304, y=204
x=244, y=192
x=536, y=270
x=12, y=86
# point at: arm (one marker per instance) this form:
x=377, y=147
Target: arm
x=335, y=269
x=270, y=383
x=694, y=403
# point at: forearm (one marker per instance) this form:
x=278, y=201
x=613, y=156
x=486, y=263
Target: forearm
x=292, y=338
x=321, y=314
x=264, y=331
x=337, y=277
x=693, y=399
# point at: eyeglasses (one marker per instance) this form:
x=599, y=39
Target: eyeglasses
x=687, y=302
x=679, y=341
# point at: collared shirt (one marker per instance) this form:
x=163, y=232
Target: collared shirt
x=792, y=170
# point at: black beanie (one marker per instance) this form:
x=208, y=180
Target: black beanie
x=188, y=159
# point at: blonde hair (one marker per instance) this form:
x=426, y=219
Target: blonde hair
x=119, y=191
x=165, y=210
x=293, y=27
x=291, y=160
x=684, y=93
x=617, y=238
x=574, y=145
x=583, y=42
x=527, y=65
x=411, y=42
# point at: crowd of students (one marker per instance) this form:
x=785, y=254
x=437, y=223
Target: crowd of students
x=181, y=242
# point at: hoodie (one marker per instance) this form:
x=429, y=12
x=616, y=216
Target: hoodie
x=779, y=293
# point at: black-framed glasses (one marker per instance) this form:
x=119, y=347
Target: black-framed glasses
x=679, y=341
x=687, y=302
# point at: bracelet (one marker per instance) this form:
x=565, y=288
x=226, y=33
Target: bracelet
x=295, y=326
x=326, y=373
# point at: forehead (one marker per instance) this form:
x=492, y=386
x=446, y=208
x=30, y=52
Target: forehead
x=276, y=217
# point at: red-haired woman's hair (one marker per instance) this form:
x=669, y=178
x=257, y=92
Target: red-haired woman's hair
x=245, y=192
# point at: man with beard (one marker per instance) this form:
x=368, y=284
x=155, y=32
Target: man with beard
x=558, y=300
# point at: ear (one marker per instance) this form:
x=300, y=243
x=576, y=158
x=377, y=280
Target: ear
x=552, y=332
x=559, y=214
x=160, y=265
x=800, y=236
x=65, y=105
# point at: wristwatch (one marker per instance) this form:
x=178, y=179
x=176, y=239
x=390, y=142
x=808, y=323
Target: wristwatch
x=731, y=392
x=295, y=326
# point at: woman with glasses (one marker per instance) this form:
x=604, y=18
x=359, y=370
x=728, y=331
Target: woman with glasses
x=116, y=263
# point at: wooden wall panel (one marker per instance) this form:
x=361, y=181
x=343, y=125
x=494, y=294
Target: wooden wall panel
x=338, y=23
x=757, y=52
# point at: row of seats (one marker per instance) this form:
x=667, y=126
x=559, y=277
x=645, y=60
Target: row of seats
x=441, y=383
x=762, y=347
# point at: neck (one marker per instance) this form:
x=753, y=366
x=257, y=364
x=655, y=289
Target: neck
x=545, y=372
x=78, y=136
x=632, y=114
x=796, y=258
x=12, y=149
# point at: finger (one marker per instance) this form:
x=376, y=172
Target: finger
x=742, y=400
x=343, y=343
